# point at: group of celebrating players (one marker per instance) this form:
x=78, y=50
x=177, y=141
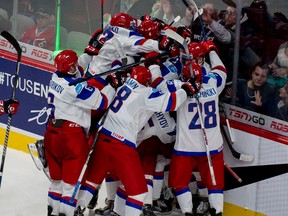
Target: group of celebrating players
x=136, y=120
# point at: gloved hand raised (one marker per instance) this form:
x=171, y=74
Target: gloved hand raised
x=94, y=44
x=209, y=46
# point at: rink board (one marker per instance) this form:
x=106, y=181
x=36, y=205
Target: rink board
x=267, y=139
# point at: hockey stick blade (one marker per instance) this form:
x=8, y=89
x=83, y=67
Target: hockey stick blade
x=236, y=154
x=14, y=43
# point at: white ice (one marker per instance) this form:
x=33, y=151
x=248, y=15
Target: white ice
x=24, y=188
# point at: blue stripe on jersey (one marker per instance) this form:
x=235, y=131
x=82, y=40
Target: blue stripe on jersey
x=127, y=142
x=149, y=182
x=150, y=122
x=171, y=86
x=87, y=188
x=134, y=33
x=117, y=62
x=121, y=195
x=172, y=102
x=53, y=196
x=172, y=133
x=104, y=103
x=158, y=176
x=110, y=179
x=155, y=93
x=140, y=42
x=133, y=205
x=179, y=192
x=86, y=93
x=215, y=76
x=215, y=191
x=185, y=153
x=67, y=202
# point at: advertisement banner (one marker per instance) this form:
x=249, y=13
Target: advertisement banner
x=32, y=91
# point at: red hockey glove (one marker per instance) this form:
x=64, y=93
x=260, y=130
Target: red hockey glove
x=165, y=43
x=188, y=87
x=174, y=51
x=94, y=44
x=209, y=46
x=11, y=106
x=152, y=61
x=113, y=80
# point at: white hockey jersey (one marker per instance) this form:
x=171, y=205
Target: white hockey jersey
x=133, y=105
x=162, y=125
x=189, y=137
x=75, y=103
x=119, y=41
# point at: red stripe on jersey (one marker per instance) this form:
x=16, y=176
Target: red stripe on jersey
x=173, y=102
x=140, y=42
x=220, y=67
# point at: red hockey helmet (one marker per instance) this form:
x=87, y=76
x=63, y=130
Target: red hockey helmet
x=65, y=59
x=197, y=73
x=122, y=20
x=149, y=29
x=141, y=74
x=196, y=50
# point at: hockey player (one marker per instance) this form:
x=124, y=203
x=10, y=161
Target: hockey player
x=115, y=152
x=121, y=39
x=65, y=139
x=189, y=150
x=9, y=106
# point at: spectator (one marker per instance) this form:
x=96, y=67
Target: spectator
x=256, y=94
x=5, y=24
x=141, y=7
x=279, y=67
x=165, y=12
x=188, y=18
x=283, y=103
x=42, y=34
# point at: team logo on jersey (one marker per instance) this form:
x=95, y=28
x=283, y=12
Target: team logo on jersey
x=117, y=136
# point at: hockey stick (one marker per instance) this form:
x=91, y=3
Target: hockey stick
x=199, y=13
x=17, y=47
x=232, y=172
x=228, y=123
x=78, y=184
x=236, y=154
x=176, y=19
x=102, y=13
x=162, y=55
x=183, y=42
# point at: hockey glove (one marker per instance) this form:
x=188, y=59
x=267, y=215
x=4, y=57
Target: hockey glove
x=113, y=80
x=209, y=46
x=11, y=106
x=188, y=87
x=94, y=44
x=152, y=61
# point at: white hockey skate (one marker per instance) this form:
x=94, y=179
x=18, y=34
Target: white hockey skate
x=37, y=153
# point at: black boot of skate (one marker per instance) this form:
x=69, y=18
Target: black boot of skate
x=107, y=210
x=79, y=211
x=93, y=201
x=147, y=210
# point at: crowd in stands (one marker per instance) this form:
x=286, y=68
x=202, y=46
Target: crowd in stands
x=263, y=53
